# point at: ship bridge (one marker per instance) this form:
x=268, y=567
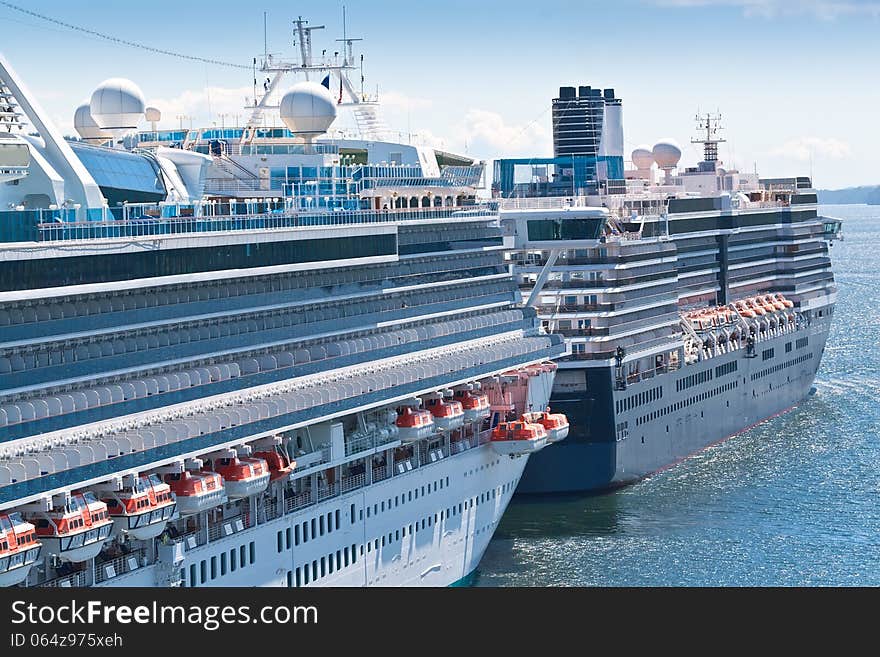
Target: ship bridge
x=544, y=229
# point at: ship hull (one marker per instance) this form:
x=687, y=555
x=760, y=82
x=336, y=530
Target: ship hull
x=460, y=501
x=621, y=448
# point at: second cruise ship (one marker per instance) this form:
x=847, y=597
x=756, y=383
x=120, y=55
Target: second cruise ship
x=696, y=301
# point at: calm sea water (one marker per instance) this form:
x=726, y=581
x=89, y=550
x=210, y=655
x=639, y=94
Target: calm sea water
x=795, y=501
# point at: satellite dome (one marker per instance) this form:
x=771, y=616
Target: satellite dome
x=153, y=115
x=308, y=109
x=85, y=125
x=667, y=153
x=118, y=104
x=642, y=157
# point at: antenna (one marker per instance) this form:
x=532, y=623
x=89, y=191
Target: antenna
x=711, y=123
x=265, y=39
x=348, y=58
x=305, y=39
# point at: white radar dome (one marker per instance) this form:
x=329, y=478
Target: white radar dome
x=642, y=157
x=308, y=109
x=85, y=126
x=153, y=115
x=118, y=104
x=667, y=153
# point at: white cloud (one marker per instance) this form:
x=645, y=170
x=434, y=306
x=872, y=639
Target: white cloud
x=489, y=133
x=396, y=100
x=823, y=9
x=205, y=106
x=803, y=148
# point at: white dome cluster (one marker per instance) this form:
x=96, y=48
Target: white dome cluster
x=667, y=153
x=116, y=108
x=642, y=157
x=86, y=126
x=118, y=104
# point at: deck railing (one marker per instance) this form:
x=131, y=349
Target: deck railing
x=140, y=220
x=124, y=563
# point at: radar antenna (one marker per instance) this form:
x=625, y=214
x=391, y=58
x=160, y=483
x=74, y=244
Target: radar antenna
x=711, y=124
x=305, y=39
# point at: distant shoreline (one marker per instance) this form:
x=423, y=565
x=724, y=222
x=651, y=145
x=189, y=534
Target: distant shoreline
x=868, y=195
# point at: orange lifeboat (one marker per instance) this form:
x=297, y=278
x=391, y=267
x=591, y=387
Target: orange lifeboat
x=555, y=424
x=768, y=304
x=759, y=309
x=242, y=477
x=142, y=509
x=518, y=438
x=76, y=531
x=474, y=404
x=19, y=549
x=414, y=424
x=448, y=415
x=280, y=466
x=773, y=301
x=196, y=491
x=785, y=302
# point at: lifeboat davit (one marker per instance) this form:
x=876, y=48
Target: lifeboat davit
x=280, y=466
x=19, y=549
x=474, y=404
x=518, y=438
x=196, y=491
x=555, y=424
x=448, y=415
x=243, y=477
x=142, y=509
x=76, y=531
x=414, y=424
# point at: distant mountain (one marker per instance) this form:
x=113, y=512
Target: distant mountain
x=869, y=194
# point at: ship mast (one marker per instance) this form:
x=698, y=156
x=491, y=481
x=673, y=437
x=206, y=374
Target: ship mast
x=364, y=108
x=711, y=125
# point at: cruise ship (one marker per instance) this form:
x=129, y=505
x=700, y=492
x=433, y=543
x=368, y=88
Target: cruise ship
x=254, y=356
x=696, y=301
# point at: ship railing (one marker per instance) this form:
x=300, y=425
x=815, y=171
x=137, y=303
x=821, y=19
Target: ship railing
x=207, y=218
x=298, y=501
x=325, y=492
x=429, y=455
x=352, y=482
x=380, y=474
x=543, y=203
x=74, y=580
x=191, y=539
x=367, y=442
x=120, y=565
x=228, y=527
x=642, y=375
x=270, y=511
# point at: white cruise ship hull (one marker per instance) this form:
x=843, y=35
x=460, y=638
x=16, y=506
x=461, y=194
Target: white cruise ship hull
x=401, y=545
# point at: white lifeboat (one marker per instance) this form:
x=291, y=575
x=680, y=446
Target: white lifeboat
x=448, y=415
x=414, y=424
x=142, y=509
x=242, y=477
x=19, y=549
x=518, y=438
x=196, y=491
x=76, y=531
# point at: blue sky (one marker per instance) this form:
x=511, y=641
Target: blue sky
x=796, y=81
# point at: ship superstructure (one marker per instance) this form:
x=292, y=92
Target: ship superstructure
x=213, y=387
x=696, y=301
